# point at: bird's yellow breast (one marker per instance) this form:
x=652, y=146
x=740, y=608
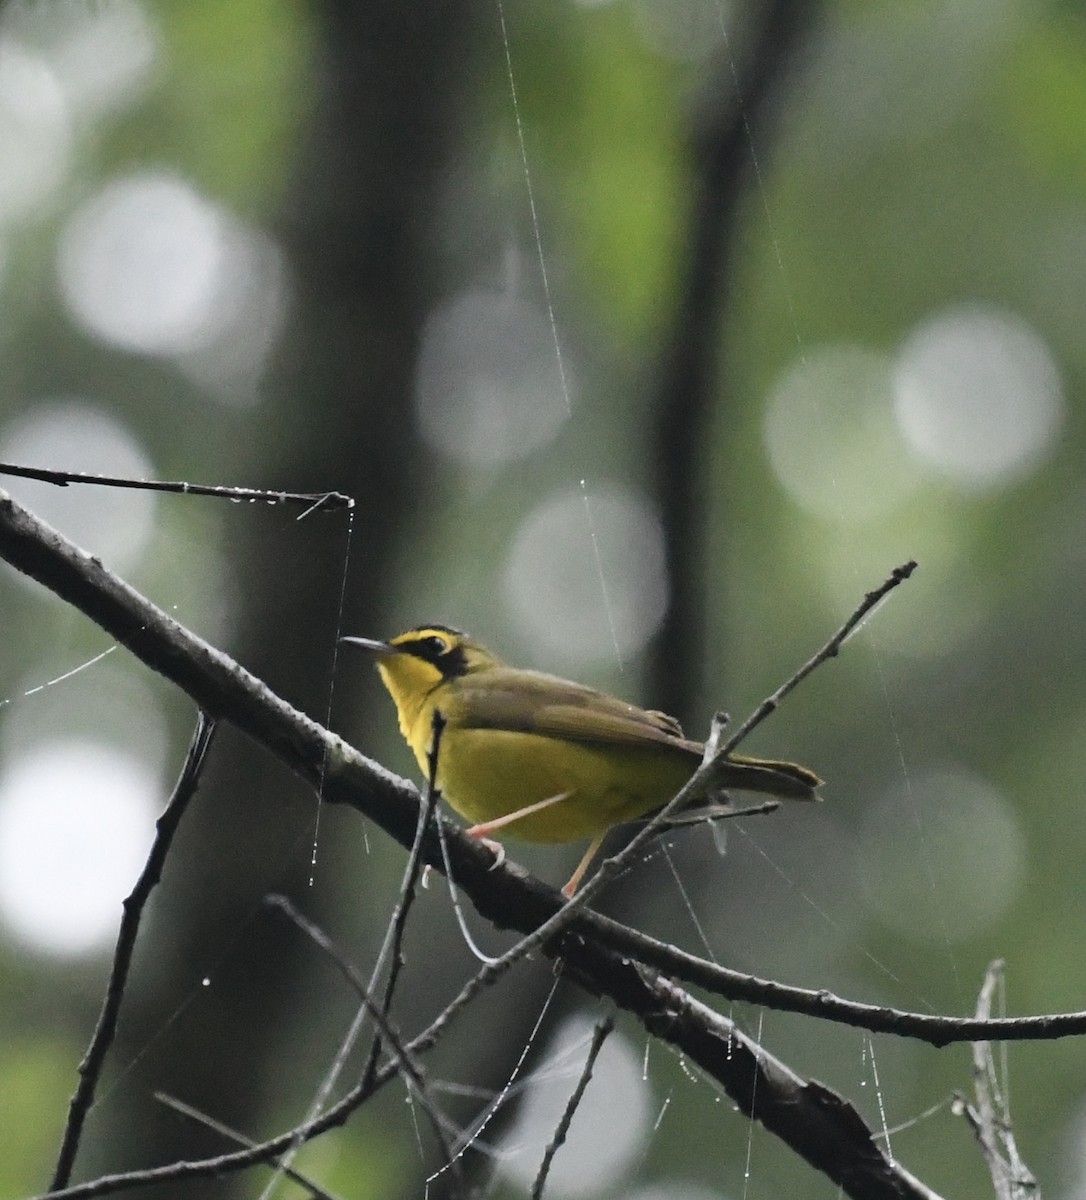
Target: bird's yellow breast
x=485, y=773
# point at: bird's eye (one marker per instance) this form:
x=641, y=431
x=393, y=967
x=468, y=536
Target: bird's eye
x=434, y=645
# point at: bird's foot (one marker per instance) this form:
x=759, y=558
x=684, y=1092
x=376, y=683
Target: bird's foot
x=478, y=833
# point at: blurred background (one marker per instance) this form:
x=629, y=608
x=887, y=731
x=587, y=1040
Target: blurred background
x=782, y=343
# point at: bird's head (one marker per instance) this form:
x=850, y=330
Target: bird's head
x=412, y=664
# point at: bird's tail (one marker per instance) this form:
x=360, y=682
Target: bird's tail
x=785, y=779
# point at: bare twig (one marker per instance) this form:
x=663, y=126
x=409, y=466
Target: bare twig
x=90, y=1068
x=209, y=1122
x=933, y=1028
x=717, y=812
x=404, y=1057
x=336, y=1115
x=989, y=1118
x=829, y=650
x=408, y=890
x=312, y=500
x=599, y=1036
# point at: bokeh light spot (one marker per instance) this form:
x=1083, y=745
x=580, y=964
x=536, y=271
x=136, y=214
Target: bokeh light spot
x=139, y=263
x=942, y=857
x=151, y=266
x=76, y=822
x=74, y=435
x=488, y=389
x=586, y=576
x=249, y=310
x=35, y=132
x=978, y=396
x=832, y=439
x=686, y=30
x=1074, y=1152
x=103, y=54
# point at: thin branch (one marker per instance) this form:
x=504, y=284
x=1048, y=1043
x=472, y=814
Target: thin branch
x=934, y=1029
x=599, y=1036
x=312, y=500
x=989, y=1118
x=208, y=1122
x=90, y=1069
x=404, y=1057
x=814, y=1121
x=715, y=813
x=409, y=888
x=331, y=1118
x=829, y=650
x=350, y=1039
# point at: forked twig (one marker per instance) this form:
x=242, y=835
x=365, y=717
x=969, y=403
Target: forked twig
x=403, y=1055
x=332, y=1117
x=90, y=1068
x=989, y=1118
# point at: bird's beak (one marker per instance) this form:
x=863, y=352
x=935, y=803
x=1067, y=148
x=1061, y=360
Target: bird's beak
x=371, y=645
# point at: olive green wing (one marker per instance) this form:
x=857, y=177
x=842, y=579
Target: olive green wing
x=531, y=702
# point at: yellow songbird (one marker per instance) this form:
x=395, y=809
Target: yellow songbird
x=540, y=757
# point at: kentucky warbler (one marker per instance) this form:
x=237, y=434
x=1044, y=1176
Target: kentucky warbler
x=545, y=759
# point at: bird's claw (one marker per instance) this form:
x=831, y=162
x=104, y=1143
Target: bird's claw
x=496, y=848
